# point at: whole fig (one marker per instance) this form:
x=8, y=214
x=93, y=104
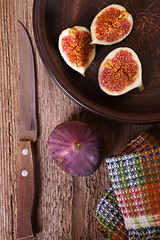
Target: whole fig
x=76, y=147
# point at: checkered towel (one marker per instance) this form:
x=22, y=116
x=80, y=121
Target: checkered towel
x=109, y=219
x=135, y=193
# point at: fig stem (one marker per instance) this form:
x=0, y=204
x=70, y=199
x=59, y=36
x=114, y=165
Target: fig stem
x=141, y=88
x=77, y=145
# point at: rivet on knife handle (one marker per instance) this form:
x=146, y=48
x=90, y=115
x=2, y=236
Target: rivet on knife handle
x=25, y=189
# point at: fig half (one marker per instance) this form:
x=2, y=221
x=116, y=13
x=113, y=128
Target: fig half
x=76, y=147
x=111, y=25
x=75, y=48
x=120, y=72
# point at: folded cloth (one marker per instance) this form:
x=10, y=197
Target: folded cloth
x=108, y=217
x=136, y=183
x=143, y=141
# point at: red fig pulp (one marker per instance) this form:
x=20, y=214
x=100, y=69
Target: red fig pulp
x=76, y=147
x=120, y=72
x=75, y=48
x=111, y=25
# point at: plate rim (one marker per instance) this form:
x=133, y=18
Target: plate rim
x=72, y=96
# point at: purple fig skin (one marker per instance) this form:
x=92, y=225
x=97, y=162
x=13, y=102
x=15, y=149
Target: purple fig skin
x=76, y=147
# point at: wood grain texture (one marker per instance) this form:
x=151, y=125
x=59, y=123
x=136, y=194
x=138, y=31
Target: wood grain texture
x=65, y=205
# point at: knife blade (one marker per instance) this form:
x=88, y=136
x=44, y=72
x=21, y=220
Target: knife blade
x=27, y=135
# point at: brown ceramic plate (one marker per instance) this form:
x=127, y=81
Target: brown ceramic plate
x=50, y=17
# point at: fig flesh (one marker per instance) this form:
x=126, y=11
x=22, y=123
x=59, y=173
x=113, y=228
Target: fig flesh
x=75, y=48
x=120, y=72
x=76, y=147
x=111, y=25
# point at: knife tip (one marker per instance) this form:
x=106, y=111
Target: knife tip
x=20, y=22
x=20, y=25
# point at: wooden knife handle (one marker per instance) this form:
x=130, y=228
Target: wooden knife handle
x=25, y=190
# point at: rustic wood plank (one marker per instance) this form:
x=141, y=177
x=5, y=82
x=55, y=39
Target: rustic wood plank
x=64, y=205
x=8, y=120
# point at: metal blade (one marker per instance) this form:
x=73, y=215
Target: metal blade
x=27, y=114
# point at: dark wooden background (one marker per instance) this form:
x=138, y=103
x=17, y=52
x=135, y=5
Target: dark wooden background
x=65, y=205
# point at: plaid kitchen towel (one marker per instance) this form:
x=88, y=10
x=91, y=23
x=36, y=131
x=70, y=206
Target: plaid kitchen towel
x=136, y=183
x=108, y=217
x=143, y=141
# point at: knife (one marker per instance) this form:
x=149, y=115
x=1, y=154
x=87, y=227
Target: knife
x=27, y=135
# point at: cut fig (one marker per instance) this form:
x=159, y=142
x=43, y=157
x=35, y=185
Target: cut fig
x=75, y=48
x=76, y=147
x=120, y=72
x=111, y=25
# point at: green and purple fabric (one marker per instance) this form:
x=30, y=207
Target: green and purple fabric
x=109, y=219
x=130, y=208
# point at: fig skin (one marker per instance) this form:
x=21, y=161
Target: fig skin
x=76, y=147
x=124, y=14
x=137, y=83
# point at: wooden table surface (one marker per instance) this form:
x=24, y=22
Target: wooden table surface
x=65, y=205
